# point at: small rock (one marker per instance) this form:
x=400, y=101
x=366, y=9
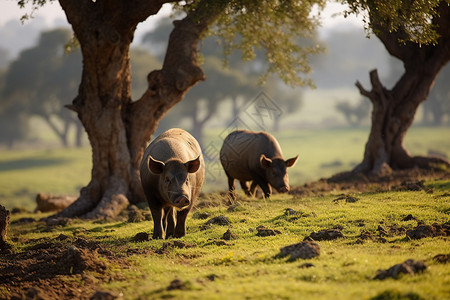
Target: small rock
x=409, y=266
x=303, y=250
x=49, y=202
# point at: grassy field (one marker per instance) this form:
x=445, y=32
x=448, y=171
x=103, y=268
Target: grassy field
x=202, y=265
x=24, y=173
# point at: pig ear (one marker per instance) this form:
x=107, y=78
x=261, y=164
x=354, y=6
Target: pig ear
x=155, y=166
x=291, y=161
x=193, y=165
x=265, y=162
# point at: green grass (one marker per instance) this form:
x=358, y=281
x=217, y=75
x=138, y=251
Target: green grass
x=25, y=173
x=247, y=267
x=322, y=153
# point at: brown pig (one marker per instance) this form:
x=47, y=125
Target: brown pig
x=172, y=175
x=255, y=156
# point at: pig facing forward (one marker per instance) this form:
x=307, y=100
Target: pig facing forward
x=255, y=156
x=172, y=175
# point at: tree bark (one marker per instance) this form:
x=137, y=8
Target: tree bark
x=394, y=110
x=117, y=127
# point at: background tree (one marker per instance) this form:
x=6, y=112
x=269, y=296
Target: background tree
x=354, y=114
x=42, y=79
x=419, y=35
x=437, y=108
x=119, y=128
x=202, y=100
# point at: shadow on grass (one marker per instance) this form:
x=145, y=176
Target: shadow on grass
x=29, y=163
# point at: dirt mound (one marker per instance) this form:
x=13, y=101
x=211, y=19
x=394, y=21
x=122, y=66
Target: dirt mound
x=304, y=250
x=54, y=270
x=409, y=266
x=423, y=231
x=325, y=235
x=263, y=231
x=442, y=258
x=228, y=235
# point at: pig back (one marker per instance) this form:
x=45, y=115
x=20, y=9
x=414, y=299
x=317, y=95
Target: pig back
x=241, y=151
x=172, y=144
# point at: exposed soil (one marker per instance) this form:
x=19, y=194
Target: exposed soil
x=58, y=270
x=412, y=179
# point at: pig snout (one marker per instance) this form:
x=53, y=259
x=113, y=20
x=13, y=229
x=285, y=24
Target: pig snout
x=181, y=201
x=283, y=189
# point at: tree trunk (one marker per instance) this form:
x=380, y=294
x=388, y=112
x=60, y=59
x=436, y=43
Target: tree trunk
x=394, y=110
x=78, y=134
x=118, y=128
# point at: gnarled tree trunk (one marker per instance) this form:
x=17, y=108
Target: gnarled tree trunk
x=117, y=127
x=394, y=109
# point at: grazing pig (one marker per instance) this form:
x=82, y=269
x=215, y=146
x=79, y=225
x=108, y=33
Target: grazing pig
x=172, y=175
x=247, y=155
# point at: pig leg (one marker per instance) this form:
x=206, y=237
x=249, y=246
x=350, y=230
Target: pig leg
x=253, y=188
x=157, y=214
x=231, y=187
x=263, y=185
x=180, y=229
x=244, y=186
x=169, y=221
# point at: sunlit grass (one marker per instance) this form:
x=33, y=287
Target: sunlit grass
x=322, y=153
x=248, y=266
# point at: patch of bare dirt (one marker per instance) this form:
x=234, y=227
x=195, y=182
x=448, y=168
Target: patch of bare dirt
x=57, y=270
x=411, y=179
